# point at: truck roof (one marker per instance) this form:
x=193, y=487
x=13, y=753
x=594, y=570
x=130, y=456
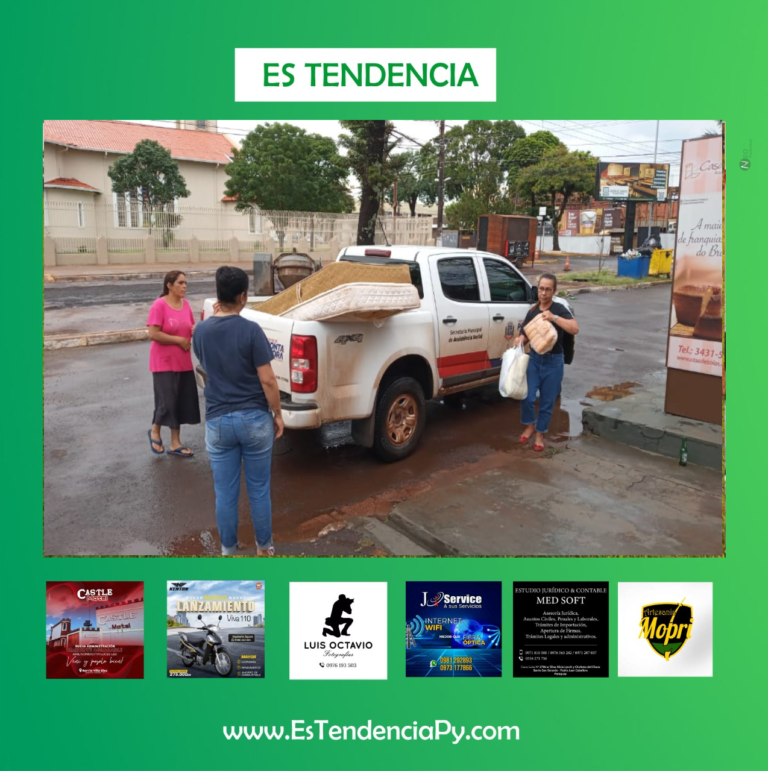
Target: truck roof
x=399, y=252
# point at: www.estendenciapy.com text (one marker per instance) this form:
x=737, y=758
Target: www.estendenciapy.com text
x=322, y=730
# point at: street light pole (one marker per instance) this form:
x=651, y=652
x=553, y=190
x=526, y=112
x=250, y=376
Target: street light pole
x=440, y=183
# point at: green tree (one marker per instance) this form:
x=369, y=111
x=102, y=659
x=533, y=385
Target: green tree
x=369, y=145
x=556, y=179
x=526, y=152
x=475, y=155
x=476, y=169
x=282, y=167
x=151, y=174
x=414, y=182
x=463, y=214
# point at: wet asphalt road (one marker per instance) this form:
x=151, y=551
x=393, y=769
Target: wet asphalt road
x=254, y=669
x=82, y=294
x=106, y=493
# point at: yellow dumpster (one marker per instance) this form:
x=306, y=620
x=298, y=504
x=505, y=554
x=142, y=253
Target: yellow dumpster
x=661, y=262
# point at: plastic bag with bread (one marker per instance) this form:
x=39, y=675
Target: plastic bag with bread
x=541, y=334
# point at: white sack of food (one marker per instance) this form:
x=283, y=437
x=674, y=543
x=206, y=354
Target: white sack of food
x=513, y=382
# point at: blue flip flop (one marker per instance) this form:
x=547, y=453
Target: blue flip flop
x=153, y=442
x=178, y=451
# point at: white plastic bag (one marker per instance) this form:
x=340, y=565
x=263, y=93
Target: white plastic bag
x=513, y=382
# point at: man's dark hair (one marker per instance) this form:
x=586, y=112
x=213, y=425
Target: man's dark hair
x=230, y=283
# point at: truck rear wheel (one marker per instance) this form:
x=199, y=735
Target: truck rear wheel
x=400, y=419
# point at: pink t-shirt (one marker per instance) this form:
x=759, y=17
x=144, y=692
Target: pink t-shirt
x=170, y=358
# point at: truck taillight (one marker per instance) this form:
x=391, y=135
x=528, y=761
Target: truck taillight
x=378, y=253
x=303, y=364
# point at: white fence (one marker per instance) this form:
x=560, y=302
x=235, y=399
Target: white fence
x=102, y=233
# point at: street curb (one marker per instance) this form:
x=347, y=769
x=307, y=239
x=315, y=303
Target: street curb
x=387, y=538
x=55, y=342
x=572, y=255
x=662, y=441
x=599, y=289
x=419, y=535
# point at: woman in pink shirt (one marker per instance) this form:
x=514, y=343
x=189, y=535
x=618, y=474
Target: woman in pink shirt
x=170, y=325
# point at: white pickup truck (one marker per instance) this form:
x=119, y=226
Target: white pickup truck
x=379, y=377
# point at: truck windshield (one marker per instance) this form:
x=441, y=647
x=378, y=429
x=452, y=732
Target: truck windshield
x=413, y=267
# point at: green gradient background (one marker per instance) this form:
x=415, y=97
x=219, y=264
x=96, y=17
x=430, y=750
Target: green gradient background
x=95, y=60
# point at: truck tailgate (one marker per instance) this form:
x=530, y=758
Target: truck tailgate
x=278, y=331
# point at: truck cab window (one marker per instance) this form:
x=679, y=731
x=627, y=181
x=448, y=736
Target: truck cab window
x=505, y=284
x=458, y=279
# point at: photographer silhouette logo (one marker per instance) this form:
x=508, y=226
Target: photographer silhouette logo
x=347, y=643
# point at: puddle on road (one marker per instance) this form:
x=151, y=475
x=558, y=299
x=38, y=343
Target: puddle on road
x=320, y=478
x=611, y=393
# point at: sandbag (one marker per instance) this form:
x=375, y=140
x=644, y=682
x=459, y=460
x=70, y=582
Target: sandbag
x=513, y=382
x=541, y=334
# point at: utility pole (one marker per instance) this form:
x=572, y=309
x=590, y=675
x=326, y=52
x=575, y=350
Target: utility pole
x=650, y=207
x=440, y=183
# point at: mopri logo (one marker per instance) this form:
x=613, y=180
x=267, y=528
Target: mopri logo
x=667, y=626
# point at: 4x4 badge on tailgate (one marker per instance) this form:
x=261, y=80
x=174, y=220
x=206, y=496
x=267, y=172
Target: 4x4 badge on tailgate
x=344, y=339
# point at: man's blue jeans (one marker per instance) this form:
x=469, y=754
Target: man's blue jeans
x=545, y=376
x=242, y=438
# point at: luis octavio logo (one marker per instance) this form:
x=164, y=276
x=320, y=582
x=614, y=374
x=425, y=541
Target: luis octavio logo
x=337, y=625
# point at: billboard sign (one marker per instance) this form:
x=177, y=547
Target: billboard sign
x=611, y=219
x=569, y=223
x=696, y=317
x=632, y=181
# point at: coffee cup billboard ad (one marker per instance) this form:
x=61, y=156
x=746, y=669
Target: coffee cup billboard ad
x=696, y=318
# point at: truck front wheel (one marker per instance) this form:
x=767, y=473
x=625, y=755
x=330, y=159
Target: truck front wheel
x=400, y=418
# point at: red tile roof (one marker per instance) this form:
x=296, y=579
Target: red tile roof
x=229, y=198
x=70, y=182
x=117, y=137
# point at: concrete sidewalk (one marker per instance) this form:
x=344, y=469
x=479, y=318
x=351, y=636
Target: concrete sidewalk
x=639, y=421
x=591, y=497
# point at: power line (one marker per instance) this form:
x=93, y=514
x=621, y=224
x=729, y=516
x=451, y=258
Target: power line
x=581, y=134
x=414, y=143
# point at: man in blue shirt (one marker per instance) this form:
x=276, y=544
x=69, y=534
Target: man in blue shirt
x=240, y=391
